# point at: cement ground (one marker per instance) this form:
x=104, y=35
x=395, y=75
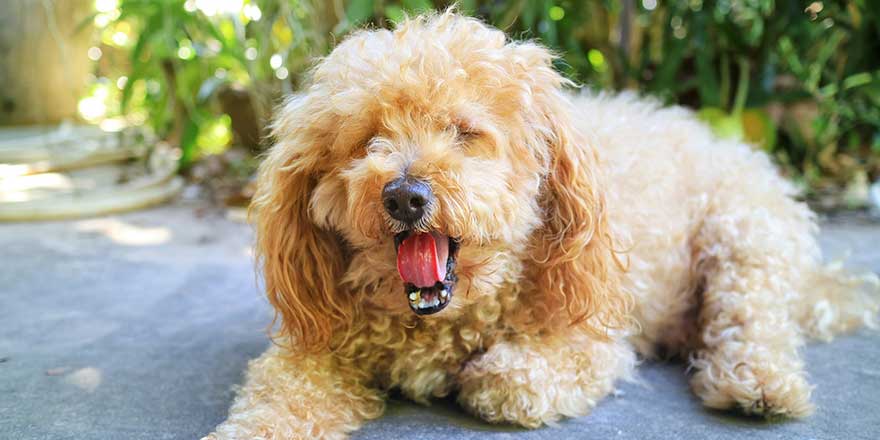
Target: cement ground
x=138, y=326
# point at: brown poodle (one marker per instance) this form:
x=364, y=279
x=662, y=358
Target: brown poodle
x=439, y=216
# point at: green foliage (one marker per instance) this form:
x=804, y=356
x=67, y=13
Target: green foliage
x=801, y=83
x=799, y=79
x=186, y=63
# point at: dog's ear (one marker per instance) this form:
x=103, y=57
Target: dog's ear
x=302, y=263
x=575, y=270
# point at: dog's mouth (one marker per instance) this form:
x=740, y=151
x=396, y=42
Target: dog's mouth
x=426, y=264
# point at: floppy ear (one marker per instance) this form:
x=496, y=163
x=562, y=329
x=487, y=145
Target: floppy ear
x=575, y=271
x=301, y=263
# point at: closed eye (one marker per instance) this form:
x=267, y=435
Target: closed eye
x=465, y=132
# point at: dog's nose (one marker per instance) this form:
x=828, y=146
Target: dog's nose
x=406, y=199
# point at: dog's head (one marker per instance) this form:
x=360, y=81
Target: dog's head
x=423, y=168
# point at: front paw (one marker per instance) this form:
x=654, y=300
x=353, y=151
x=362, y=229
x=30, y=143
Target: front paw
x=510, y=384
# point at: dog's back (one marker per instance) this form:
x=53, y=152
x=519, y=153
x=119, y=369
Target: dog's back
x=676, y=192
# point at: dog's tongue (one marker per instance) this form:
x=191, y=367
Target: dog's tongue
x=421, y=259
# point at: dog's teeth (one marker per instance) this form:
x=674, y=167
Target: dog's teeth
x=413, y=296
x=444, y=294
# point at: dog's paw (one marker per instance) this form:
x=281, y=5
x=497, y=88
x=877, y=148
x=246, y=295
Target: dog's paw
x=510, y=384
x=760, y=389
x=506, y=398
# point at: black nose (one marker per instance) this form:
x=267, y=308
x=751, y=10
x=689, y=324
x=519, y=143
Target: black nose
x=406, y=199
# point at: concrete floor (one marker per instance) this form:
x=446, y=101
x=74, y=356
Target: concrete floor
x=138, y=326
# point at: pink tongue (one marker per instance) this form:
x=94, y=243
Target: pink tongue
x=421, y=259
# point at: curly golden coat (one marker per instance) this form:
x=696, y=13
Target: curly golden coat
x=591, y=227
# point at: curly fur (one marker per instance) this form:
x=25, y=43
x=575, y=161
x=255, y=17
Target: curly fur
x=592, y=227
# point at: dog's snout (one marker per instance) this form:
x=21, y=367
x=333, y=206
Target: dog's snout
x=406, y=199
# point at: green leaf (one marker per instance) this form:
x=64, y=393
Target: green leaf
x=707, y=83
x=467, y=7
x=394, y=13
x=859, y=79
x=791, y=56
x=724, y=126
x=418, y=6
x=825, y=53
x=138, y=66
x=530, y=14
x=359, y=11
x=188, y=144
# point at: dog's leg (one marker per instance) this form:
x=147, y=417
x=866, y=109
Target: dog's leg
x=303, y=398
x=749, y=358
x=532, y=382
x=756, y=246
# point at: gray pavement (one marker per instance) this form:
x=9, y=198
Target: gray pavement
x=138, y=326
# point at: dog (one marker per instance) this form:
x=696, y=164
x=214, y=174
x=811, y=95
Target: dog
x=440, y=215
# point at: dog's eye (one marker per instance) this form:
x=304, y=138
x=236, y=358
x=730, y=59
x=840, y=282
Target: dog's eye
x=464, y=132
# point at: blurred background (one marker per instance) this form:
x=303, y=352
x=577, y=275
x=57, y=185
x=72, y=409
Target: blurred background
x=127, y=103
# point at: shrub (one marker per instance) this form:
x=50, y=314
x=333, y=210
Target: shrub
x=801, y=82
